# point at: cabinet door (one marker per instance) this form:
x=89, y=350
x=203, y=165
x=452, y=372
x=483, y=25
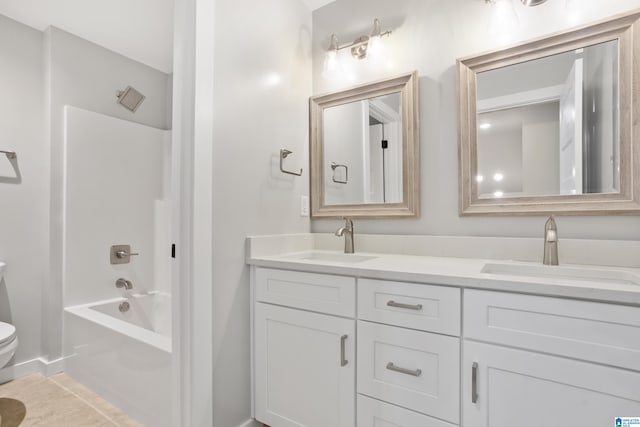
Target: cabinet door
x=304, y=368
x=527, y=389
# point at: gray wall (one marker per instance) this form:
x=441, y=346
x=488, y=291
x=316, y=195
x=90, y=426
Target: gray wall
x=262, y=82
x=429, y=36
x=24, y=208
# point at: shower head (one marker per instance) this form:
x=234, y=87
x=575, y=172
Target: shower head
x=130, y=98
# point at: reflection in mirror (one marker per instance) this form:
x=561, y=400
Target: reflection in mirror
x=363, y=151
x=550, y=126
x=365, y=148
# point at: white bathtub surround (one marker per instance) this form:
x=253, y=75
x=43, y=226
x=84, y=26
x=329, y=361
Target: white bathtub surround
x=117, y=183
x=124, y=357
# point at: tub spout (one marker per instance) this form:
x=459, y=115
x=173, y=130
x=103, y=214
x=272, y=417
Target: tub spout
x=124, y=284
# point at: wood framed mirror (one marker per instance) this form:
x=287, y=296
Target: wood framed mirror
x=365, y=150
x=552, y=125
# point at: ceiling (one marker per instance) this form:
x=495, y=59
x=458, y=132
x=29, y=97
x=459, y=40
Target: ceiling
x=141, y=29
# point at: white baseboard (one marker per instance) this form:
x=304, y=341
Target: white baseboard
x=52, y=367
x=251, y=423
x=33, y=366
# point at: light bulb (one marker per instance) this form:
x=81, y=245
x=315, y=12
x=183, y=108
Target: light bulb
x=376, y=46
x=331, y=63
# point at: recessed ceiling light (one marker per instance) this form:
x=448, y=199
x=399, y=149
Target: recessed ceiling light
x=498, y=177
x=498, y=194
x=485, y=126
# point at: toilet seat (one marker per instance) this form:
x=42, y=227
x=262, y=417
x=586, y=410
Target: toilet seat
x=7, y=333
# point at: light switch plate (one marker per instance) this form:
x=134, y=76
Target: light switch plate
x=304, y=206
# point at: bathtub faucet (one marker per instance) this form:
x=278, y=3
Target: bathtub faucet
x=124, y=283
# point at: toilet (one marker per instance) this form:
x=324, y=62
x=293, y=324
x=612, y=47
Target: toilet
x=8, y=343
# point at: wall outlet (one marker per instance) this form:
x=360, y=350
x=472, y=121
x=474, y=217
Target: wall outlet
x=304, y=205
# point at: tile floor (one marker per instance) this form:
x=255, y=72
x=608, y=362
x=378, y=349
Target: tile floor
x=57, y=401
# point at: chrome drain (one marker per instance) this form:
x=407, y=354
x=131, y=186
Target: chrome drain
x=124, y=307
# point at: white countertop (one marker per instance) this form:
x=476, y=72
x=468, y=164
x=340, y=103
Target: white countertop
x=463, y=272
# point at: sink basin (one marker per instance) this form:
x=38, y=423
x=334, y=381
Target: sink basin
x=331, y=257
x=585, y=274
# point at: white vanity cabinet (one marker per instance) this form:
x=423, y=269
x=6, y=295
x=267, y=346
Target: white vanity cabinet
x=576, y=362
x=304, y=361
x=334, y=350
x=304, y=351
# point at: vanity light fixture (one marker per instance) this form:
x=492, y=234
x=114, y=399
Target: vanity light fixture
x=479, y=178
x=485, y=126
x=498, y=193
x=498, y=177
x=360, y=47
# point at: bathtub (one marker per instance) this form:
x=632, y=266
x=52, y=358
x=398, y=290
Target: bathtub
x=124, y=356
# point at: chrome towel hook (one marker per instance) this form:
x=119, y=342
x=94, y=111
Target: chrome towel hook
x=283, y=155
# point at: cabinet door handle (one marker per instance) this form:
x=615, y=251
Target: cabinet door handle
x=343, y=357
x=474, y=382
x=413, y=373
x=416, y=307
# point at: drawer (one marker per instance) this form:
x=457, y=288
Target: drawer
x=424, y=307
x=417, y=370
x=323, y=293
x=597, y=332
x=373, y=412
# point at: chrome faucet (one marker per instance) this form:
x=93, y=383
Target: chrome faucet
x=347, y=232
x=550, y=242
x=124, y=284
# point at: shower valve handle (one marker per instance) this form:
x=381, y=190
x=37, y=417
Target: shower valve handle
x=125, y=254
x=120, y=254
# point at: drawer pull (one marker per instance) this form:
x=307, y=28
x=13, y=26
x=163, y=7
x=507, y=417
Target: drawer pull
x=392, y=367
x=474, y=382
x=416, y=307
x=343, y=357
